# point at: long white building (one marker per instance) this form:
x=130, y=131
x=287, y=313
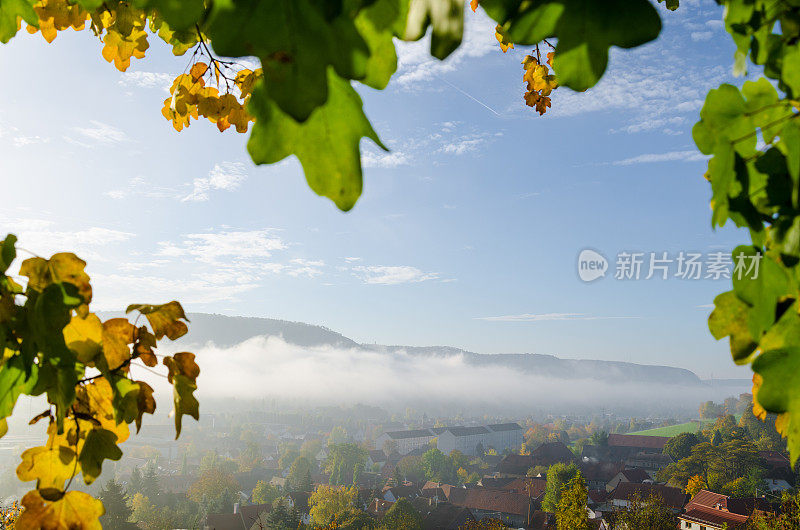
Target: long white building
x=499, y=436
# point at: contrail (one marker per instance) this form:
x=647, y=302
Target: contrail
x=479, y=102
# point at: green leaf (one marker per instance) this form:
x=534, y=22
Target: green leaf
x=179, y=14
x=790, y=70
x=10, y=12
x=672, y=5
x=58, y=382
x=763, y=105
x=760, y=288
x=8, y=252
x=378, y=24
x=185, y=402
x=295, y=43
x=790, y=141
x=446, y=17
x=722, y=174
x=327, y=145
x=126, y=399
x=724, y=117
x=585, y=29
x=100, y=444
x=14, y=382
x=780, y=390
x=729, y=319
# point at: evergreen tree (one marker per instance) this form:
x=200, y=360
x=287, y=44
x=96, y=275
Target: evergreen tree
x=116, y=505
x=136, y=484
x=282, y=516
x=150, y=487
x=397, y=476
x=716, y=441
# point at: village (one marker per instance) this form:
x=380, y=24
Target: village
x=281, y=471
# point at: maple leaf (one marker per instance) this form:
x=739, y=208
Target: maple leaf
x=502, y=37
x=165, y=319
x=84, y=336
x=74, y=510
x=474, y=4
x=119, y=48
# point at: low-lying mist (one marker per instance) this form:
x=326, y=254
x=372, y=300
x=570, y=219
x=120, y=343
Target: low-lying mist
x=267, y=367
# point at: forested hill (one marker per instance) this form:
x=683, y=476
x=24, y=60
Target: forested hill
x=227, y=331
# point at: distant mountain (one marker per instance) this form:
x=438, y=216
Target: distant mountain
x=225, y=331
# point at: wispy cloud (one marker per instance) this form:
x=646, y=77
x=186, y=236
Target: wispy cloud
x=392, y=275
x=147, y=80
x=212, y=246
x=102, y=133
x=22, y=141
x=382, y=159
x=225, y=176
x=139, y=186
x=685, y=156
x=547, y=317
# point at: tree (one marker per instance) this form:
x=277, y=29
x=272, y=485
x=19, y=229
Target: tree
x=716, y=440
x=599, y=438
x=412, y=468
x=337, y=436
x=150, y=486
x=332, y=503
x=117, y=511
x=282, y=516
x=265, y=493
x=402, y=516
x=343, y=459
x=558, y=475
x=136, y=483
x=695, y=484
x=788, y=517
x=571, y=507
x=646, y=514
x=389, y=447
x=680, y=446
x=215, y=491
x=438, y=467
x=299, y=477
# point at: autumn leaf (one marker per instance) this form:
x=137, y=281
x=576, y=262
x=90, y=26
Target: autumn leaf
x=76, y=510
x=145, y=402
x=51, y=466
x=502, y=37
x=183, y=373
x=84, y=336
x=100, y=445
x=166, y=319
x=118, y=333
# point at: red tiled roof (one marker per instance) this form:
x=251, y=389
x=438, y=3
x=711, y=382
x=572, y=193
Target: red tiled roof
x=637, y=440
x=673, y=497
x=496, y=501
x=707, y=499
x=714, y=517
x=530, y=486
x=636, y=475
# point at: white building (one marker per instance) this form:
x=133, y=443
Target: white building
x=406, y=441
x=469, y=439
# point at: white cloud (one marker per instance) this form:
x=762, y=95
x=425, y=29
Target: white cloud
x=352, y=259
x=384, y=160
x=306, y=268
x=651, y=124
x=546, y=317
x=699, y=36
x=685, y=156
x=22, y=141
x=147, y=80
x=462, y=145
x=225, y=176
x=392, y=275
x=100, y=132
x=210, y=247
x=44, y=237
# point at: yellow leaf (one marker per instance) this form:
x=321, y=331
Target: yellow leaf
x=758, y=411
x=50, y=465
x=165, y=319
x=117, y=334
x=84, y=337
x=119, y=49
x=74, y=511
x=96, y=400
x=198, y=70
x=502, y=37
x=61, y=267
x=182, y=363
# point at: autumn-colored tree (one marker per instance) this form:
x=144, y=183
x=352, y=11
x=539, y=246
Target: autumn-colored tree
x=215, y=491
x=558, y=476
x=695, y=484
x=645, y=514
x=329, y=504
x=571, y=511
x=265, y=493
x=402, y=516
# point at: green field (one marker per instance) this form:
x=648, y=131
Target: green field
x=674, y=430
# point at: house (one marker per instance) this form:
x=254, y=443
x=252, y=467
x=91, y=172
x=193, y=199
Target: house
x=710, y=511
x=598, y=474
x=242, y=518
x=532, y=487
x=468, y=440
x=651, y=462
x=495, y=483
x=395, y=493
x=447, y=517
x=775, y=459
x=638, y=443
x=406, y=441
x=511, y=508
x=505, y=436
x=620, y=497
x=636, y=476
x=378, y=508
x=376, y=457
x=779, y=479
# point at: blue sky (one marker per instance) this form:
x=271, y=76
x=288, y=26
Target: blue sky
x=467, y=233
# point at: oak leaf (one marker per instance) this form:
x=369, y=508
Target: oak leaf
x=75, y=510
